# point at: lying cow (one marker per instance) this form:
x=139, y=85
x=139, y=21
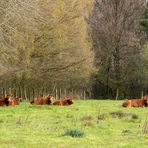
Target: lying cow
x=15, y=101
x=136, y=102
x=42, y=100
x=145, y=97
x=63, y=102
x=5, y=101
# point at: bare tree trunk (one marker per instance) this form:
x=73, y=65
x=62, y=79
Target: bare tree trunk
x=117, y=94
x=65, y=92
x=142, y=95
x=84, y=95
x=56, y=94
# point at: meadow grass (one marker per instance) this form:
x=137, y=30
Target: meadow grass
x=105, y=124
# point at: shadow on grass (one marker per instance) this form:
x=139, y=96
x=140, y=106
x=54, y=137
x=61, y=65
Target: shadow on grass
x=120, y=115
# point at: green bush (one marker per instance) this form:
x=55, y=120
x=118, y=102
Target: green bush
x=74, y=133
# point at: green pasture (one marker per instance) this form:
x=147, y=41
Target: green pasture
x=105, y=124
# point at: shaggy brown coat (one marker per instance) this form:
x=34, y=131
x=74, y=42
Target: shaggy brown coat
x=136, y=102
x=63, y=102
x=42, y=100
x=5, y=101
x=15, y=101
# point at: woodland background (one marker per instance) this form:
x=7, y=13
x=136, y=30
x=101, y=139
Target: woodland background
x=89, y=49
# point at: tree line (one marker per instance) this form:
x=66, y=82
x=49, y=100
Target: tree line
x=98, y=46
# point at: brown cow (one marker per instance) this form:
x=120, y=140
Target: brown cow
x=42, y=100
x=63, y=102
x=136, y=102
x=15, y=101
x=5, y=101
x=146, y=99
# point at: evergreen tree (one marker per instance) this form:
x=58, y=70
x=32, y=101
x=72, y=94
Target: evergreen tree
x=144, y=21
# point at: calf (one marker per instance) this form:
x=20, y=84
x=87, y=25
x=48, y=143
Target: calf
x=63, y=102
x=136, y=102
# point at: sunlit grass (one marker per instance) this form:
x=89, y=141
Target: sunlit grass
x=104, y=124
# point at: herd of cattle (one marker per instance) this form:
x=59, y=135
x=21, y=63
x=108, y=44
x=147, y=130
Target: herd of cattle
x=9, y=100
x=49, y=100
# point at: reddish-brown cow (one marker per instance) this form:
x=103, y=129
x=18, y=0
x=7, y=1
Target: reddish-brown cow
x=63, y=102
x=42, y=100
x=136, y=102
x=5, y=101
x=15, y=101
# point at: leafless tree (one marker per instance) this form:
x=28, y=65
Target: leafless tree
x=117, y=39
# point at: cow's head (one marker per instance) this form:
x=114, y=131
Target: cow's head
x=32, y=102
x=69, y=101
x=145, y=98
x=50, y=97
x=9, y=98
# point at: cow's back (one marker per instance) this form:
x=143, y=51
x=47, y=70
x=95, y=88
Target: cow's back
x=38, y=101
x=63, y=102
x=58, y=102
x=134, y=103
x=15, y=102
x=41, y=101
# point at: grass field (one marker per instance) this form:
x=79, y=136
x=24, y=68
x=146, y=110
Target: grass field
x=105, y=124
